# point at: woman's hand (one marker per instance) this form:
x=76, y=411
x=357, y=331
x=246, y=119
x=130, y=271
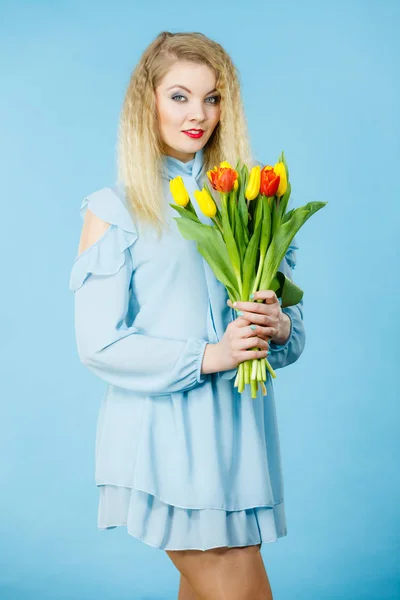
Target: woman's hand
x=260, y=323
x=272, y=323
x=233, y=348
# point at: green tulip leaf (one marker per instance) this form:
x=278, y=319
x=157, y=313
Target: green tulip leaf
x=283, y=202
x=239, y=234
x=230, y=241
x=287, y=216
x=212, y=244
x=282, y=238
x=286, y=289
x=186, y=214
x=220, y=271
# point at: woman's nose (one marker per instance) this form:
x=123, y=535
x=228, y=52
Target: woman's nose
x=197, y=112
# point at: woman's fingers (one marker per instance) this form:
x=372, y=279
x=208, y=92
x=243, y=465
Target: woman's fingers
x=253, y=342
x=257, y=319
x=250, y=329
x=241, y=340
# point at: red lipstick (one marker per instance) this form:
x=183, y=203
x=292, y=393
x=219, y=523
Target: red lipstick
x=194, y=133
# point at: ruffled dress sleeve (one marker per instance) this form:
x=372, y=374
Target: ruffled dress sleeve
x=287, y=353
x=107, y=345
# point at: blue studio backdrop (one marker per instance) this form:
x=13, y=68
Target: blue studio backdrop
x=319, y=81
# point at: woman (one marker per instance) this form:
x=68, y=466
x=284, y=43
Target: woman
x=182, y=460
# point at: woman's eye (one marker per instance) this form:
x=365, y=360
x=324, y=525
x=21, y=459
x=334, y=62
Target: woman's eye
x=214, y=98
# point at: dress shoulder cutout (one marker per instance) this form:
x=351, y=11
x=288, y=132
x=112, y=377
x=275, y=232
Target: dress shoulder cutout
x=107, y=255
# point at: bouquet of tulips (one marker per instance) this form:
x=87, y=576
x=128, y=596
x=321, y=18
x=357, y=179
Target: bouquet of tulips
x=250, y=235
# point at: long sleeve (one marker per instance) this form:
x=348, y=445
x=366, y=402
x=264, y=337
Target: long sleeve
x=287, y=353
x=107, y=346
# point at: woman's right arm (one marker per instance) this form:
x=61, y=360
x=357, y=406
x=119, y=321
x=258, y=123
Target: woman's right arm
x=106, y=345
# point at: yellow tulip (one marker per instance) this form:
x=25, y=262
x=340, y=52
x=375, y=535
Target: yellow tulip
x=253, y=186
x=178, y=191
x=279, y=169
x=206, y=202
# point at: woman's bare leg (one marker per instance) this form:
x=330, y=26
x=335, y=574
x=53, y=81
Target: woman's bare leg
x=224, y=573
x=186, y=591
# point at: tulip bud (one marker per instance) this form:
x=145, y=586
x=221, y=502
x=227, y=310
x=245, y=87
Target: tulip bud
x=178, y=191
x=253, y=186
x=280, y=170
x=269, y=181
x=205, y=202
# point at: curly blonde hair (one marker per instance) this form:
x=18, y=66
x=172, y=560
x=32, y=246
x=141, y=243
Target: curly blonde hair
x=140, y=150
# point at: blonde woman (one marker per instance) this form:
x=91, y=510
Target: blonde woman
x=184, y=462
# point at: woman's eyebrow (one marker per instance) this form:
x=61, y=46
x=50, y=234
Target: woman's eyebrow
x=185, y=88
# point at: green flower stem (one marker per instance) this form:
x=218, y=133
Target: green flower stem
x=264, y=370
x=264, y=240
x=253, y=370
x=241, y=378
x=218, y=223
x=259, y=273
x=256, y=370
x=259, y=373
x=254, y=388
x=231, y=242
x=247, y=369
x=270, y=369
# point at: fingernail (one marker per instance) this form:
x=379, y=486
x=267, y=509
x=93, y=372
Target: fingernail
x=239, y=312
x=251, y=296
x=234, y=304
x=253, y=327
x=269, y=352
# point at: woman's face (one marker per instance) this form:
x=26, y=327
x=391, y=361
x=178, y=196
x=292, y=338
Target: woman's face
x=180, y=109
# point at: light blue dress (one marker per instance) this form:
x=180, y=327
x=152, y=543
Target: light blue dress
x=182, y=460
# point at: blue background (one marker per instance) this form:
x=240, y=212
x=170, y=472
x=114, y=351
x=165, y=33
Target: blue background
x=319, y=81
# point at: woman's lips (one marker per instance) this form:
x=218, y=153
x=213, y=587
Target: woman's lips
x=193, y=134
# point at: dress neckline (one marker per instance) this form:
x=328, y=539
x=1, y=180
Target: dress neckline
x=172, y=167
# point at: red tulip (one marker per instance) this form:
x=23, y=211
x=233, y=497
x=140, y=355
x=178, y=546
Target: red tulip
x=269, y=181
x=222, y=179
